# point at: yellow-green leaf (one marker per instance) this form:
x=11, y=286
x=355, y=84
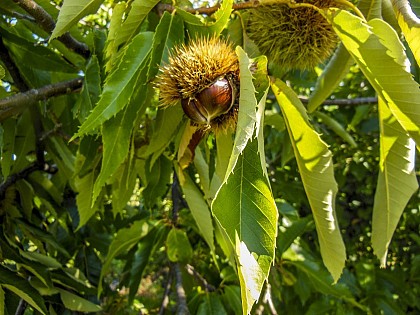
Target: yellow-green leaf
x=396, y=181
x=316, y=168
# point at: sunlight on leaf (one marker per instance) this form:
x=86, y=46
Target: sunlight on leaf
x=316, y=169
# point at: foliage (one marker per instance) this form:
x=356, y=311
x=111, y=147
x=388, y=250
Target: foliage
x=111, y=204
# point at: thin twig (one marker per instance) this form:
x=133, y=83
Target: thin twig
x=165, y=299
x=20, y=310
x=161, y=7
x=17, y=15
x=207, y=286
x=15, y=104
x=182, y=308
x=47, y=23
x=268, y=300
x=340, y=101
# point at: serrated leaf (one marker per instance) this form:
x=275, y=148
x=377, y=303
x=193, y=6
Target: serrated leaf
x=334, y=72
x=199, y=209
x=244, y=207
x=138, y=12
x=410, y=26
x=169, y=32
x=119, y=87
x=116, y=135
x=380, y=55
x=84, y=187
x=316, y=169
x=178, y=246
x=76, y=303
x=123, y=241
x=158, y=178
x=22, y=288
x=71, y=12
x=396, y=181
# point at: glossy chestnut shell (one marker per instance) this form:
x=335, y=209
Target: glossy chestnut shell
x=211, y=102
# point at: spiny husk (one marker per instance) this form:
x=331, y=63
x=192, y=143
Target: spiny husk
x=194, y=67
x=293, y=38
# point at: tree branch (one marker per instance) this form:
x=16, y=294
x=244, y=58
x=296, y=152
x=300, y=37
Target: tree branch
x=47, y=23
x=182, y=308
x=15, y=104
x=346, y=101
x=161, y=7
x=191, y=270
x=165, y=299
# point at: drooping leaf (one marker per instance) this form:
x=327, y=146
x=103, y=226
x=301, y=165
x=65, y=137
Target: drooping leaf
x=124, y=240
x=130, y=27
x=71, y=12
x=199, y=209
x=178, y=246
x=211, y=305
x=396, y=181
x=2, y=72
x=84, y=187
x=316, y=169
x=410, y=25
x=119, y=87
x=158, y=178
x=76, y=303
x=8, y=146
x=22, y=288
x=2, y=301
x=380, y=55
x=124, y=184
x=329, y=79
x=245, y=209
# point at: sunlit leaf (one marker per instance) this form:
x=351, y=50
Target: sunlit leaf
x=84, y=187
x=410, y=26
x=396, y=181
x=130, y=27
x=111, y=47
x=380, y=55
x=71, y=12
x=316, y=169
x=245, y=209
x=119, y=87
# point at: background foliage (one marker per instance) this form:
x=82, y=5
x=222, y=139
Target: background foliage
x=105, y=208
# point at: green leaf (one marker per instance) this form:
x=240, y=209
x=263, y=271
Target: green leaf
x=124, y=240
x=288, y=234
x=116, y=135
x=84, y=187
x=138, y=12
x=410, y=26
x=334, y=72
x=22, y=288
x=124, y=183
x=316, y=169
x=120, y=85
x=71, y=12
x=158, y=178
x=212, y=305
x=169, y=33
x=2, y=72
x=48, y=261
x=396, y=181
x=199, y=209
x=197, y=28
x=178, y=246
x=380, y=55
x=8, y=147
x=76, y=303
x=2, y=302
x=335, y=126
x=245, y=209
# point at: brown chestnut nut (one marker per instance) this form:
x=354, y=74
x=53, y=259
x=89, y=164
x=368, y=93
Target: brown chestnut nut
x=213, y=101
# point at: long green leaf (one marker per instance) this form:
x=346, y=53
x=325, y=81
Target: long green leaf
x=124, y=240
x=71, y=12
x=396, y=181
x=22, y=288
x=119, y=87
x=84, y=187
x=244, y=207
x=199, y=209
x=329, y=79
x=2, y=301
x=380, y=55
x=316, y=169
x=410, y=26
x=74, y=302
x=138, y=12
